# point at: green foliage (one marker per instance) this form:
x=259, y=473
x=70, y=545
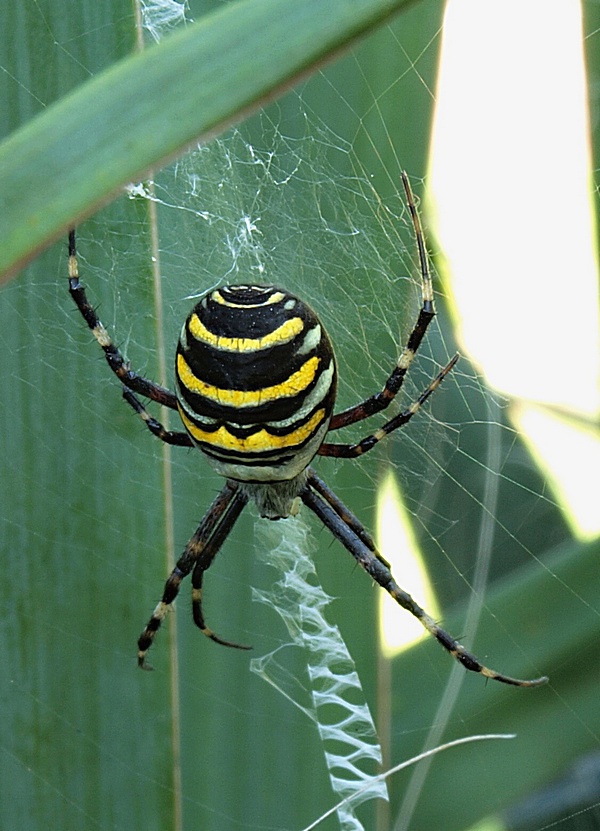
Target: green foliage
x=144, y=109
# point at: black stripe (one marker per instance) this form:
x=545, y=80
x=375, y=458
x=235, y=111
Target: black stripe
x=241, y=432
x=278, y=409
x=251, y=320
x=268, y=458
x=243, y=370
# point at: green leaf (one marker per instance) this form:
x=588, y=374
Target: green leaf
x=64, y=164
x=543, y=631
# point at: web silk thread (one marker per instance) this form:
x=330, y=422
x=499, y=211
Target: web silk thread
x=333, y=697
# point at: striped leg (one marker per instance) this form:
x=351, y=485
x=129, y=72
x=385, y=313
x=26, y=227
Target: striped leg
x=209, y=552
x=202, y=548
x=348, y=530
x=384, y=398
x=115, y=360
x=155, y=427
x=351, y=451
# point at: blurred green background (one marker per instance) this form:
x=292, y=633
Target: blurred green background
x=93, y=509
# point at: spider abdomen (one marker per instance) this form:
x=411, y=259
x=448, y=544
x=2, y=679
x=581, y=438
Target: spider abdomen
x=256, y=381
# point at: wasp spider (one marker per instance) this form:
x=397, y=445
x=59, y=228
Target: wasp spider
x=255, y=389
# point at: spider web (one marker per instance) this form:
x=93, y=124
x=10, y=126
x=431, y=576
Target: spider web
x=307, y=196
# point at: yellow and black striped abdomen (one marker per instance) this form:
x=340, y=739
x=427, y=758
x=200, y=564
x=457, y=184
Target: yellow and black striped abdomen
x=256, y=382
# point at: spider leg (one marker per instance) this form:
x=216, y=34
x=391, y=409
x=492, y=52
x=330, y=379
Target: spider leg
x=347, y=517
x=334, y=515
x=384, y=398
x=115, y=360
x=156, y=428
x=351, y=451
x=209, y=552
x=202, y=548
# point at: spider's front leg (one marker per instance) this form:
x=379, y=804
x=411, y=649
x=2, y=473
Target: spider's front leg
x=354, y=537
x=114, y=358
x=198, y=555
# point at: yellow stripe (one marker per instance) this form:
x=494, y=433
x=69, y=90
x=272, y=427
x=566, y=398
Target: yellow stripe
x=283, y=334
x=257, y=442
x=296, y=383
x=276, y=297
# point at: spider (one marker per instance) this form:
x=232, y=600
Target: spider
x=255, y=389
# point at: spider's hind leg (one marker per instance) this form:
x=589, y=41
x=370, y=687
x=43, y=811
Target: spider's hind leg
x=198, y=555
x=349, y=531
